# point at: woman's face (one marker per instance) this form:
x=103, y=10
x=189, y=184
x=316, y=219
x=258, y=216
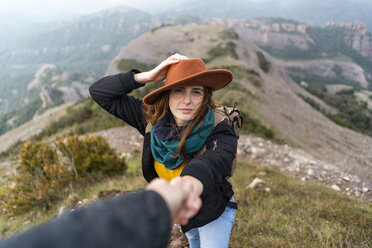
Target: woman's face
x=184, y=102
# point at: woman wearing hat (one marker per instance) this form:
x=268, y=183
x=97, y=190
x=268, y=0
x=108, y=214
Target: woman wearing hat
x=177, y=120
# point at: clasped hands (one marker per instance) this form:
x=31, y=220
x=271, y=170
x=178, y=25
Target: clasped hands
x=181, y=197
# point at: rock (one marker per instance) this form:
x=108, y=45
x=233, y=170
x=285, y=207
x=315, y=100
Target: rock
x=310, y=172
x=303, y=179
x=336, y=187
x=109, y=193
x=61, y=211
x=253, y=150
x=27, y=222
x=347, y=179
x=357, y=194
x=303, y=84
x=365, y=190
x=73, y=199
x=256, y=183
x=347, y=189
x=267, y=189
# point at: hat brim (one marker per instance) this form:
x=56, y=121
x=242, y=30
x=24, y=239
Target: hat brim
x=214, y=79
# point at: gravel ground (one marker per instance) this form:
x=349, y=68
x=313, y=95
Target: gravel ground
x=289, y=160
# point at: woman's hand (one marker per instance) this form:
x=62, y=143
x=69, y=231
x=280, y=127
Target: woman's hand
x=159, y=73
x=197, y=184
x=180, y=196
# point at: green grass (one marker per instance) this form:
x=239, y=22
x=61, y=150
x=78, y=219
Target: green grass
x=292, y=214
x=296, y=214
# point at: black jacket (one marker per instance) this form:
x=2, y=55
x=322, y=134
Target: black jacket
x=136, y=220
x=211, y=168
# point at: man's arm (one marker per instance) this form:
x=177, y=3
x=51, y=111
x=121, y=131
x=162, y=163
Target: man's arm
x=141, y=219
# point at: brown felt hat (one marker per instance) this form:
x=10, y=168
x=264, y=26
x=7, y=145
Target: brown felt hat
x=190, y=72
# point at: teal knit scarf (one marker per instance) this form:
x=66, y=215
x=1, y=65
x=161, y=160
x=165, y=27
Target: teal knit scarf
x=165, y=137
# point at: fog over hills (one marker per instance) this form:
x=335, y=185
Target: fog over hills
x=316, y=12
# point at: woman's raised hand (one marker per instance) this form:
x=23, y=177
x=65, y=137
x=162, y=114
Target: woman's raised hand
x=159, y=73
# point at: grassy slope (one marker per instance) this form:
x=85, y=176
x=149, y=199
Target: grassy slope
x=292, y=214
x=296, y=214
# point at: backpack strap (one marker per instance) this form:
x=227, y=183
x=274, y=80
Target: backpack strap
x=219, y=116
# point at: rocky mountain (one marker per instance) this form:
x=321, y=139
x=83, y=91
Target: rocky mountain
x=51, y=86
x=86, y=44
x=306, y=50
x=276, y=100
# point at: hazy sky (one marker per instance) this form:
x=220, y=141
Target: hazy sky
x=50, y=10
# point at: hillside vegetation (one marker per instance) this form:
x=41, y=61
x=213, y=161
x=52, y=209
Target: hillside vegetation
x=352, y=113
x=28, y=96
x=327, y=43
x=84, y=117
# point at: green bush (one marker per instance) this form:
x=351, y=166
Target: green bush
x=128, y=64
x=48, y=172
x=222, y=49
x=40, y=179
x=352, y=113
x=228, y=34
x=88, y=155
x=264, y=63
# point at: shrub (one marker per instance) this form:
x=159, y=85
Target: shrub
x=264, y=63
x=351, y=113
x=228, y=34
x=128, y=64
x=39, y=179
x=88, y=155
x=47, y=172
x=222, y=49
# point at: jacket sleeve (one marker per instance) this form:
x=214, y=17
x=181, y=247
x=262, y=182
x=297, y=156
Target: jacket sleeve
x=138, y=220
x=214, y=165
x=111, y=93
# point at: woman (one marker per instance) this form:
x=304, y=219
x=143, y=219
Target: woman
x=177, y=120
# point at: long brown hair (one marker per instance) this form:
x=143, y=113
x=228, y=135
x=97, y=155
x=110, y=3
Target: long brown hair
x=157, y=111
